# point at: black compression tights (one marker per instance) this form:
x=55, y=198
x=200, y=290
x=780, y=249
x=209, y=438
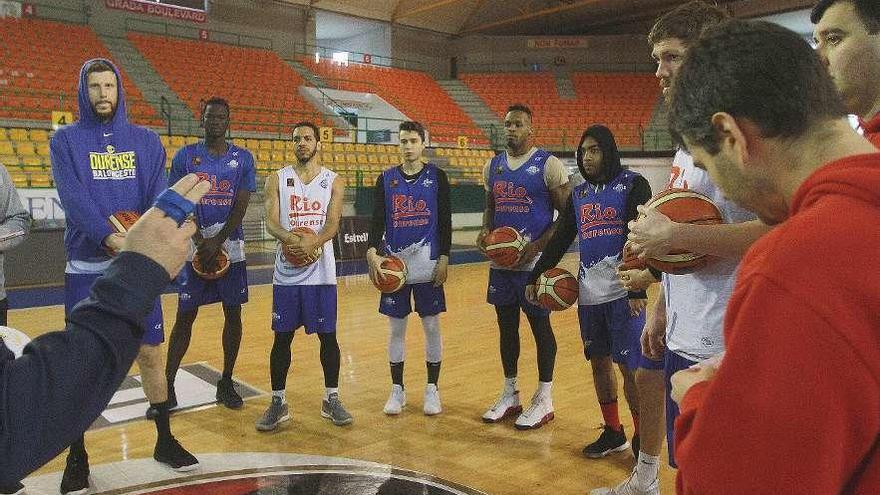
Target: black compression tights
x=279, y=359
x=545, y=342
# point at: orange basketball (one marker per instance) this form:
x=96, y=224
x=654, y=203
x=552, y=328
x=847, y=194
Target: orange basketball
x=631, y=261
x=504, y=245
x=684, y=206
x=223, y=265
x=557, y=289
x=300, y=261
x=393, y=270
x=121, y=221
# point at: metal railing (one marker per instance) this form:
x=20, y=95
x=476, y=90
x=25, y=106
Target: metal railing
x=194, y=33
x=325, y=52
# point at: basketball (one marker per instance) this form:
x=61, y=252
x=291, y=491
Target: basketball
x=504, y=245
x=631, y=261
x=301, y=261
x=121, y=221
x=557, y=289
x=684, y=206
x=223, y=265
x=393, y=270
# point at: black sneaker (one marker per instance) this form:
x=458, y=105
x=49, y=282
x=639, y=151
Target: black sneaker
x=16, y=489
x=635, y=446
x=227, y=395
x=75, y=480
x=609, y=441
x=172, y=454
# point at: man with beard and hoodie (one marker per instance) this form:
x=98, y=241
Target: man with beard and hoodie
x=611, y=319
x=795, y=405
x=102, y=165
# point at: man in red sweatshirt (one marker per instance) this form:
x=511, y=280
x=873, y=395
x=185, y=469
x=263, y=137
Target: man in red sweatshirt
x=794, y=407
x=847, y=37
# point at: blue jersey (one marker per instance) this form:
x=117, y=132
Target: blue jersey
x=522, y=199
x=101, y=168
x=600, y=211
x=412, y=221
x=227, y=174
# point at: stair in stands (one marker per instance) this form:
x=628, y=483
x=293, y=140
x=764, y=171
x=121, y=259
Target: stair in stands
x=476, y=109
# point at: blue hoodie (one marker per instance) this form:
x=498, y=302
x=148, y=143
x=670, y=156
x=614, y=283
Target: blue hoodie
x=102, y=168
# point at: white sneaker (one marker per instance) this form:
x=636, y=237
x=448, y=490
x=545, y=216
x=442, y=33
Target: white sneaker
x=629, y=487
x=432, y=400
x=506, y=406
x=396, y=401
x=540, y=412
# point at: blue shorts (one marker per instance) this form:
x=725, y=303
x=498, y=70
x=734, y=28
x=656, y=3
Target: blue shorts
x=77, y=287
x=230, y=289
x=508, y=288
x=311, y=306
x=430, y=301
x=609, y=329
x=674, y=363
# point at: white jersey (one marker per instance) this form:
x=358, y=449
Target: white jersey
x=305, y=205
x=696, y=302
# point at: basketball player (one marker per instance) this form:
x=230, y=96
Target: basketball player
x=771, y=419
x=524, y=185
x=413, y=221
x=15, y=223
x=230, y=170
x=102, y=165
x=42, y=394
x=611, y=319
x=304, y=195
x=685, y=325
x=847, y=36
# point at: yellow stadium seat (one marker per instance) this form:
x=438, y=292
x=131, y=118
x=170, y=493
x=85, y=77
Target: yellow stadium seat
x=349, y=147
x=278, y=156
x=178, y=141
x=165, y=140
x=263, y=156
x=32, y=161
x=18, y=135
x=338, y=158
x=360, y=148
x=383, y=158
x=338, y=148
x=252, y=144
x=25, y=149
x=362, y=158
x=6, y=148
x=3, y=135
x=240, y=142
x=20, y=181
x=440, y=151
x=191, y=139
x=350, y=158
x=371, y=148
x=326, y=157
x=289, y=145
x=43, y=149
x=39, y=135
x=41, y=179
x=373, y=158
x=290, y=157
x=278, y=145
x=265, y=144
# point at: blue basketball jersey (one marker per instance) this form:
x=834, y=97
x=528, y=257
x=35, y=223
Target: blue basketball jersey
x=522, y=199
x=411, y=221
x=600, y=211
x=227, y=174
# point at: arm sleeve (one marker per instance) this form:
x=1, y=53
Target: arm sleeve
x=444, y=213
x=377, y=224
x=79, y=208
x=830, y=415
x=43, y=407
x=640, y=194
x=559, y=243
x=14, y=218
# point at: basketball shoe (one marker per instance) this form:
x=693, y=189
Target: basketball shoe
x=630, y=486
x=432, y=400
x=276, y=414
x=396, y=401
x=168, y=451
x=539, y=413
x=75, y=480
x=332, y=409
x=227, y=395
x=506, y=406
x=609, y=442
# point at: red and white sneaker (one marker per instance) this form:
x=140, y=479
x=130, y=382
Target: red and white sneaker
x=539, y=413
x=506, y=406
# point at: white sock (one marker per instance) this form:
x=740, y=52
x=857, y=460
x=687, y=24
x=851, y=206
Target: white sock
x=328, y=391
x=544, y=388
x=647, y=470
x=510, y=385
x=280, y=395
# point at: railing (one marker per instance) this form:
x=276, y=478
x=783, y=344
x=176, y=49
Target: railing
x=325, y=52
x=536, y=66
x=193, y=33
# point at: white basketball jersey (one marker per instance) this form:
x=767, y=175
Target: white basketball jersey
x=696, y=302
x=305, y=205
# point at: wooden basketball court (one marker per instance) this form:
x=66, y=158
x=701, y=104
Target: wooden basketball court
x=456, y=445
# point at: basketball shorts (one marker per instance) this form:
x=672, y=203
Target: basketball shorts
x=230, y=289
x=77, y=287
x=429, y=301
x=673, y=364
x=508, y=288
x=310, y=306
x=609, y=329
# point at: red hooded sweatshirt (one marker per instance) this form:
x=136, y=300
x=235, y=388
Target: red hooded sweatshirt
x=872, y=130
x=795, y=405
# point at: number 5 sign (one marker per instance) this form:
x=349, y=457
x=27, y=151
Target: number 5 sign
x=326, y=135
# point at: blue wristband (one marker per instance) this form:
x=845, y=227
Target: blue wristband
x=174, y=205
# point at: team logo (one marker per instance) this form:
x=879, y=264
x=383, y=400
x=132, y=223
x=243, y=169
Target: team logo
x=619, y=188
x=276, y=316
x=233, y=164
x=395, y=183
x=533, y=170
x=197, y=160
x=427, y=182
x=243, y=291
x=158, y=326
x=583, y=193
x=320, y=320
x=499, y=170
x=111, y=149
x=706, y=341
x=324, y=183
x=492, y=289
x=184, y=296
x=290, y=182
x=389, y=301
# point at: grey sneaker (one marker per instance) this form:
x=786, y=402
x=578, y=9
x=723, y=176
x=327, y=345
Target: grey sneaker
x=275, y=415
x=332, y=409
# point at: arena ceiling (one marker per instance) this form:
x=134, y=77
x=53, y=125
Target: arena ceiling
x=532, y=17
